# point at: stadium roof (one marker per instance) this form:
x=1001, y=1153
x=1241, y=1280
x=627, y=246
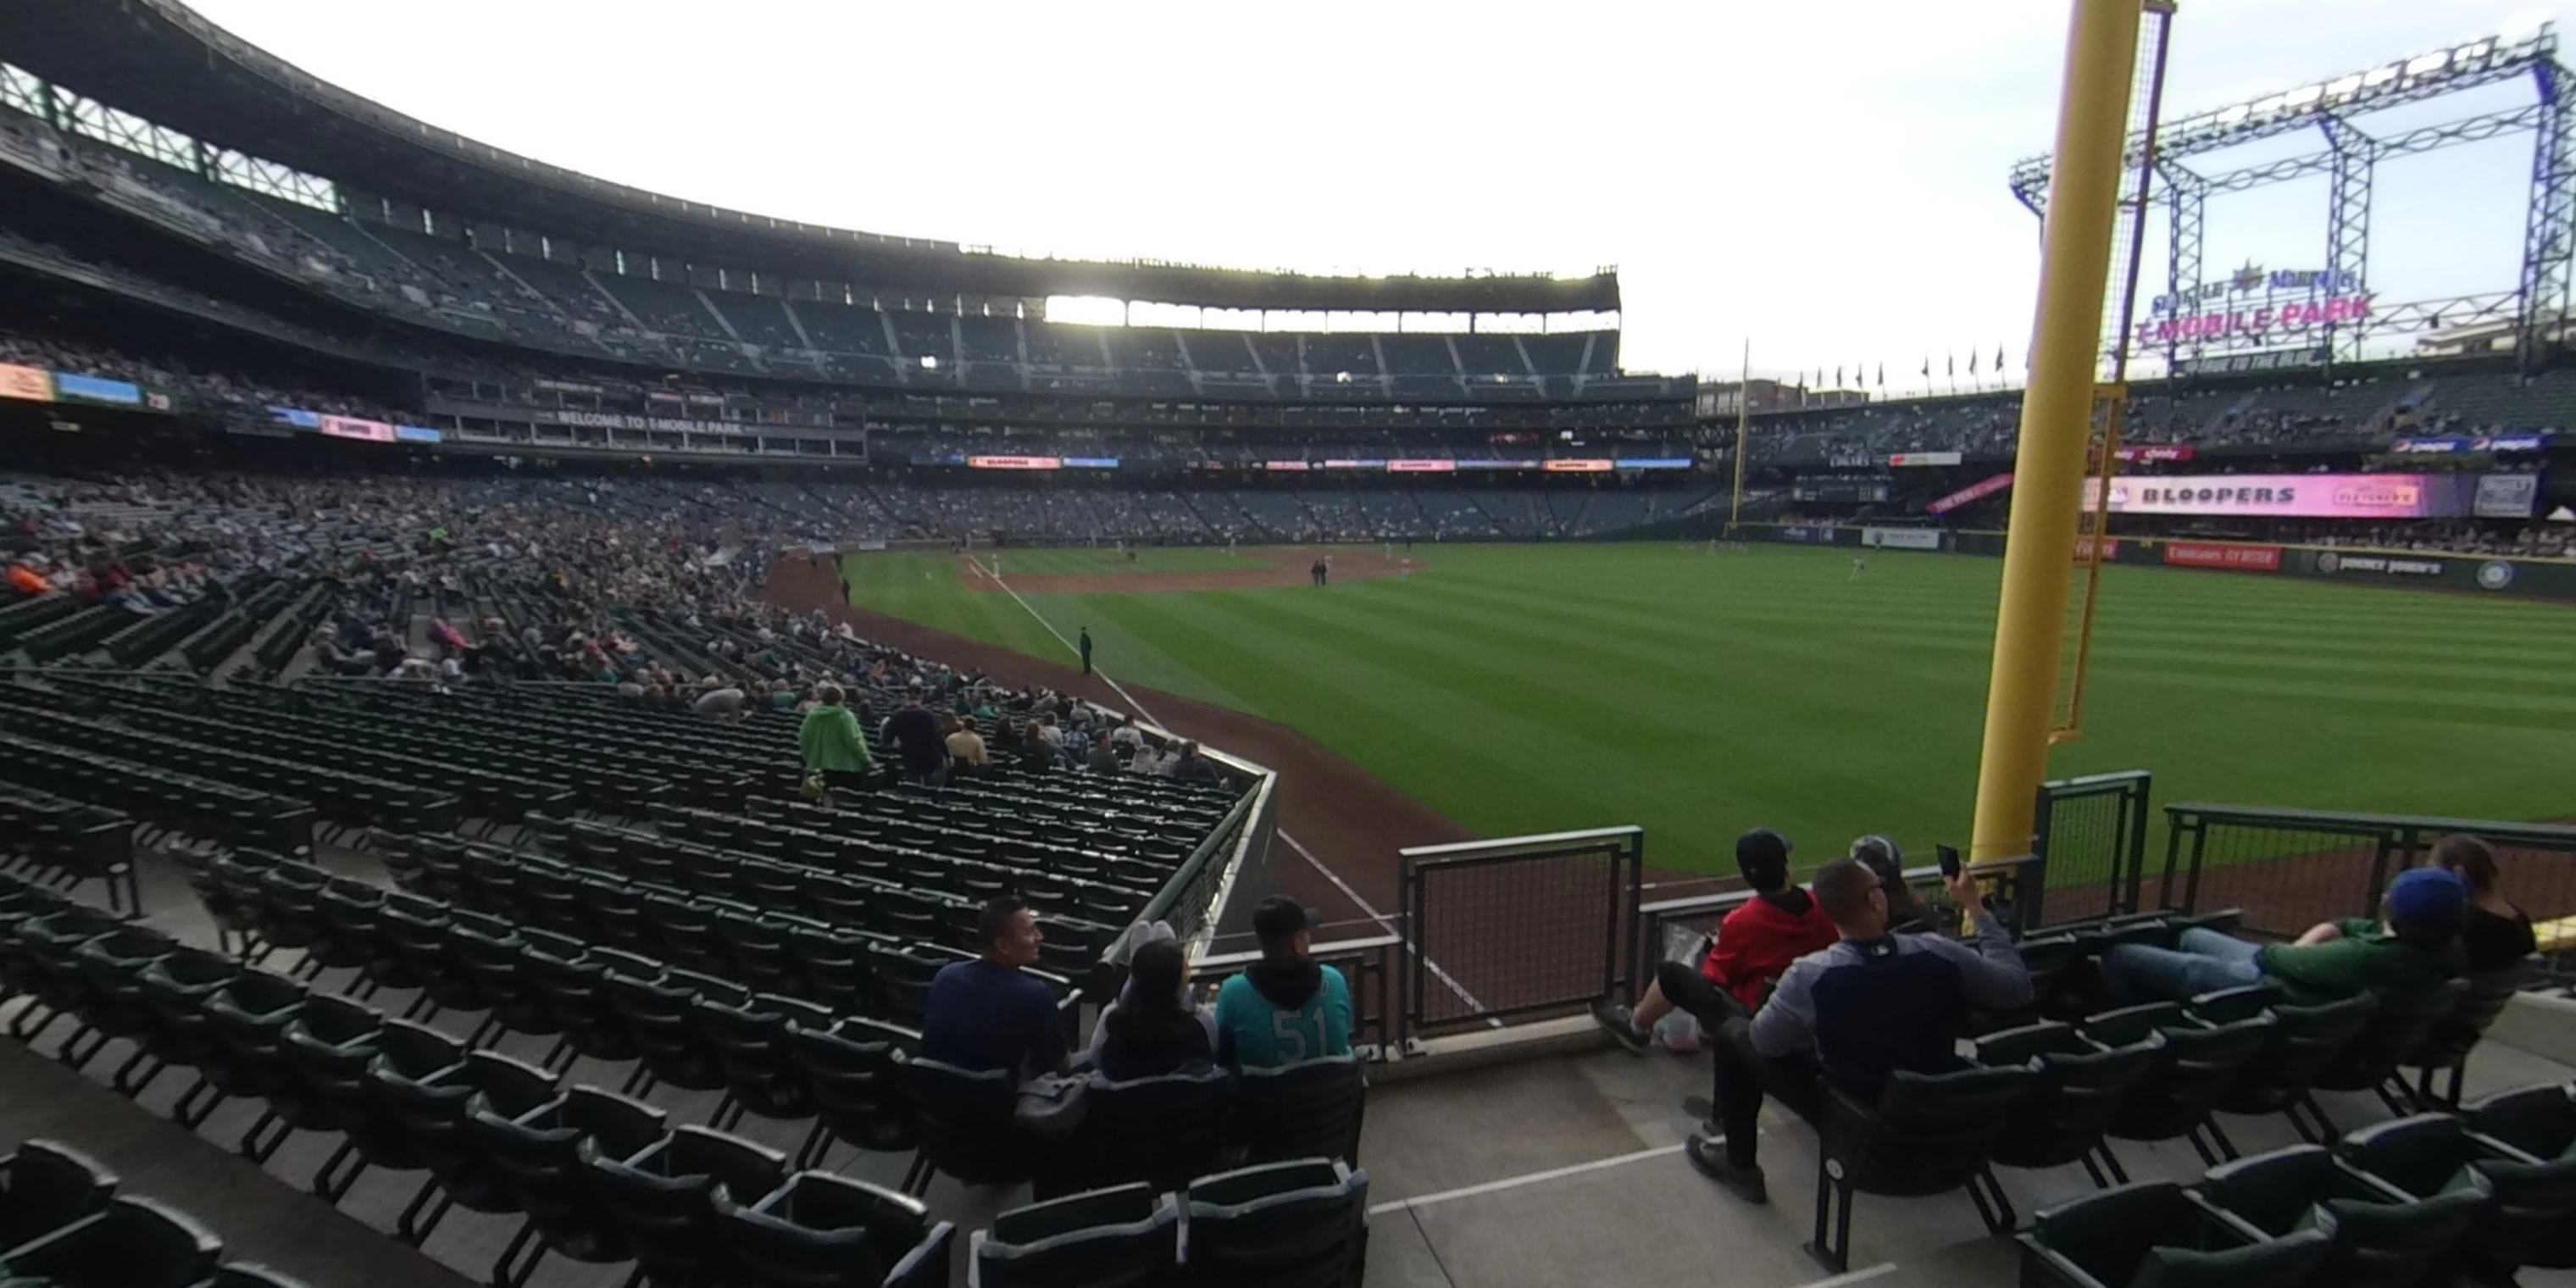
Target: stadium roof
x=162, y=61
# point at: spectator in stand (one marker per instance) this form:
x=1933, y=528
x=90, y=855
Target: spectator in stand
x=2415, y=946
x=1287, y=1007
x=990, y=1013
x=1152, y=1028
x=1755, y=943
x=720, y=703
x=966, y=747
x=1904, y=910
x=832, y=743
x=1875, y=1003
x=1103, y=758
x=1188, y=766
x=2496, y=934
x=921, y=746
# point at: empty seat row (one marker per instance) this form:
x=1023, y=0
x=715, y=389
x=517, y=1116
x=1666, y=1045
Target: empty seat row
x=2435, y=1197
x=63, y=1223
x=345, y=800
x=70, y=842
x=1297, y=1224
x=162, y=799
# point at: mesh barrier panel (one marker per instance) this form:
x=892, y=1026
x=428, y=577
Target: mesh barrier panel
x=1517, y=929
x=2290, y=869
x=2092, y=832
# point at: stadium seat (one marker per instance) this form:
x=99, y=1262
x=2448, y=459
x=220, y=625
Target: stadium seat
x=249, y=1017
x=2401, y=1023
x=968, y=1126
x=1161, y=1130
x=820, y=1230
x=426, y=1085
x=2302, y=1041
x=2377, y=1236
x=129, y=1243
x=329, y=1045
x=2536, y=1125
x=855, y=1082
x=1311, y=1109
x=1301, y=1224
x=539, y=1158
x=45, y=1186
x=2446, y=1049
x=662, y=1200
x=2431, y=1154
x=1127, y=1236
x=2194, y=1068
x=1925, y=1134
x=2078, y=1087
x=2152, y=1235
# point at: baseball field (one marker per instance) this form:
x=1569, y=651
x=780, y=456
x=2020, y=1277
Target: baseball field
x=1539, y=688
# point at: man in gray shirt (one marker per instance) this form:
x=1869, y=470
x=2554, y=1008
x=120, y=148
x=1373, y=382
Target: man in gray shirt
x=1850, y=1016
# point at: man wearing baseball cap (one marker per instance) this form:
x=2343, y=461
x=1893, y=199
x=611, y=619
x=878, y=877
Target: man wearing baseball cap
x=1286, y=1007
x=1755, y=943
x=2415, y=946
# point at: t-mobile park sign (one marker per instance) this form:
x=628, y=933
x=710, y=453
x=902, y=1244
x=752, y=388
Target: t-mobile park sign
x=2245, y=307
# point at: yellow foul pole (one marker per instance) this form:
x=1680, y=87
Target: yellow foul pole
x=2056, y=413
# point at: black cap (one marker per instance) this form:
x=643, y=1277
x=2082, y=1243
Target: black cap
x=1762, y=851
x=1280, y=917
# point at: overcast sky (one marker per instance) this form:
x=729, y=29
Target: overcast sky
x=1827, y=180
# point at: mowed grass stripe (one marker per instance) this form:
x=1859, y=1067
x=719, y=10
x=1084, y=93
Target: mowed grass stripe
x=1528, y=688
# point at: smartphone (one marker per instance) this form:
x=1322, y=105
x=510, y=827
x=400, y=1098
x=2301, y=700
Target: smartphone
x=1949, y=860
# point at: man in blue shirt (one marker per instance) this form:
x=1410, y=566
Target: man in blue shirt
x=1284, y=1008
x=991, y=1013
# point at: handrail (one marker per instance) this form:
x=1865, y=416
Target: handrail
x=2338, y=820
x=1520, y=844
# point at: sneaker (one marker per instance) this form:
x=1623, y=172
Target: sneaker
x=1614, y=1019
x=1709, y=1157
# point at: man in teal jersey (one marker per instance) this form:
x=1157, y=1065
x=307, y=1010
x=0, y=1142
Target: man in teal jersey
x=1284, y=1008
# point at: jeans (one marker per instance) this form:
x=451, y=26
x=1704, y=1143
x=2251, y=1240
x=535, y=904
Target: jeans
x=2204, y=962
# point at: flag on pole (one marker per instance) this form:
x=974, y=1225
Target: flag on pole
x=1882, y=375
x=1999, y=359
x=1953, y=360
x=1838, y=377
x=1972, y=362
x=1927, y=366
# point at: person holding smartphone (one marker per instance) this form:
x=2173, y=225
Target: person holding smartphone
x=1849, y=1017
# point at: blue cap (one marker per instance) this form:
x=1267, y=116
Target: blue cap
x=2426, y=902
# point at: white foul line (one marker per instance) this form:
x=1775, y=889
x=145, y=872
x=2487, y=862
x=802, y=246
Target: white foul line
x=1384, y=925
x=1862, y=1275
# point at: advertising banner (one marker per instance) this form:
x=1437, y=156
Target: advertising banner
x=417, y=434
x=2482, y=443
x=1843, y=490
x=2085, y=549
x=365, y=431
x=1977, y=491
x=1359, y=465
x=1578, y=467
x=1924, y=458
x=2295, y=496
x=1813, y=536
x=629, y=420
x=1422, y=467
x=1655, y=462
x=2507, y=496
x=297, y=416
x=1902, y=538
x=1524, y=464
x=34, y=384
x=1014, y=463
x=1287, y=467
x=2200, y=554
x=1091, y=462
x=2333, y=563
x=69, y=385
x=2155, y=452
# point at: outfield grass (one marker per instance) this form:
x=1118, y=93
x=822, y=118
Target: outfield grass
x=1110, y=563
x=1537, y=688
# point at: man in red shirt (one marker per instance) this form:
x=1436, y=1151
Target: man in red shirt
x=1754, y=944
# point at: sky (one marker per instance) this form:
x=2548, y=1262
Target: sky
x=1825, y=182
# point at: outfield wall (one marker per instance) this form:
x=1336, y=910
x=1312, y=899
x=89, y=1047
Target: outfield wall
x=2516, y=578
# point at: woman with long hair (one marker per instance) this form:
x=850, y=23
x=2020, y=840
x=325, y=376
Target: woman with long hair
x=2497, y=934
x=1152, y=1029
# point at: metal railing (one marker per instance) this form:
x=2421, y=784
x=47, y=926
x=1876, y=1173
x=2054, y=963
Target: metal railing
x=2290, y=869
x=2093, y=833
x=1517, y=926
